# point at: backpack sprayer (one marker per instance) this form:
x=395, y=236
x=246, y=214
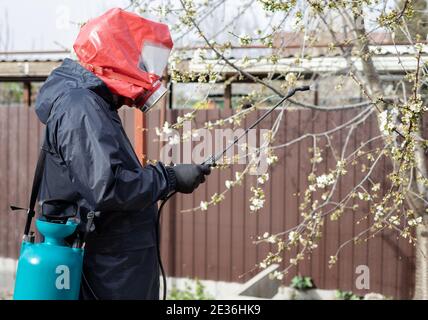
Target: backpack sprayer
x=50, y=269
x=211, y=161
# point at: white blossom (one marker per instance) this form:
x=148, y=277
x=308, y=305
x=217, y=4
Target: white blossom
x=293, y=236
x=271, y=159
x=204, y=205
x=364, y=196
x=186, y=135
x=256, y=204
x=386, y=124
x=394, y=220
x=414, y=222
x=163, y=11
x=166, y=128
x=379, y=213
x=272, y=239
x=416, y=107
x=325, y=180
x=263, y=178
x=291, y=78
x=174, y=139
x=158, y=131
x=277, y=275
x=376, y=187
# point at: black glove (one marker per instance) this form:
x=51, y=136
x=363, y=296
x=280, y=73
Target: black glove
x=189, y=176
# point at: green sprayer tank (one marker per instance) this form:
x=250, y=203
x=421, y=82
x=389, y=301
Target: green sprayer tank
x=51, y=269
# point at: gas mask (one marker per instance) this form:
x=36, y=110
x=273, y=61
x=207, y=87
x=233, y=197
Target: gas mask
x=129, y=53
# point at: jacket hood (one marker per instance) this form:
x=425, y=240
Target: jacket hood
x=68, y=76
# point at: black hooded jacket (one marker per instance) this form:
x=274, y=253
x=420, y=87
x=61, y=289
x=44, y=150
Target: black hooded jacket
x=91, y=161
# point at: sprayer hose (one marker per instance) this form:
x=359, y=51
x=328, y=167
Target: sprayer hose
x=158, y=244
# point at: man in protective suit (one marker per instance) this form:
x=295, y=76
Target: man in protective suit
x=91, y=161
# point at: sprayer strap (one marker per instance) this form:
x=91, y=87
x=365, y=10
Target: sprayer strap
x=38, y=175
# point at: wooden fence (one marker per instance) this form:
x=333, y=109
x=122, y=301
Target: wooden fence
x=218, y=244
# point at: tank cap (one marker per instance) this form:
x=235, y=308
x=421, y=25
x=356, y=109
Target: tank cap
x=59, y=210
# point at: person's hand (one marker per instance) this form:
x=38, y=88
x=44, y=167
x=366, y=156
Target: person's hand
x=189, y=176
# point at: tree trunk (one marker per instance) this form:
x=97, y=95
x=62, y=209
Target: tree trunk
x=421, y=272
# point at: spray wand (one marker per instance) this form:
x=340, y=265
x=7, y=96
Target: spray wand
x=212, y=161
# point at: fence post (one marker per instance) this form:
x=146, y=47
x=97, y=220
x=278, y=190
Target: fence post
x=27, y=93
x=139, y=135
x=228, y=96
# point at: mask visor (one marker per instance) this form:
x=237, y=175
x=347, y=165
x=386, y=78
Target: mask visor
x=154, y=58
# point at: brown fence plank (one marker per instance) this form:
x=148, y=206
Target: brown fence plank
x=323, y=144
x=216, y=246
x=405, y=271
x=304, y=169
x=239, y=215
x=22, y=176
x=12, y=177
x=318, y=261
x=179, y=242
x=224, y=226
x=389, y=250
x=250, y=223
x=346, y=223
x=361, y=216
x=168, y=214
x=277, y=180
x=263, y=217
x=179, y=228
x=332, y=231
x=4, y=182
x=200, y=217
x=291, y=185
x=188, y=224
x=375, y=245
x=127, y=116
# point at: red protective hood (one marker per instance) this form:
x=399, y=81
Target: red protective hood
x=112, y=46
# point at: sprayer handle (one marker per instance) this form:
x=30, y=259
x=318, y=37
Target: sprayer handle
x=210, y=161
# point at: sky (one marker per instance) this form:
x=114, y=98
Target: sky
x=29, y=25
x=46, y=24
x=53, y=24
